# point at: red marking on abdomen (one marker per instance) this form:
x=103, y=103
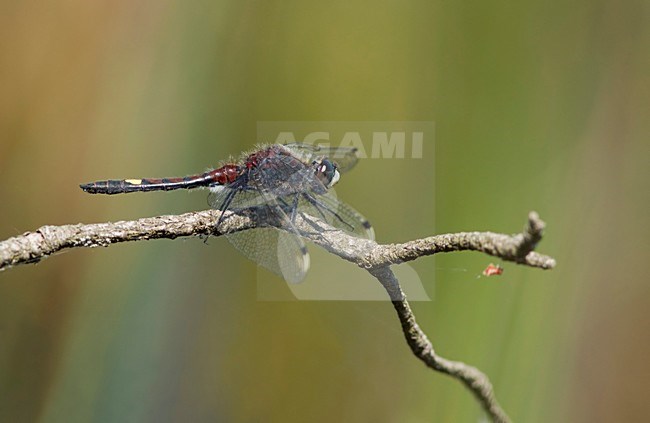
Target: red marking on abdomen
x=225, y=174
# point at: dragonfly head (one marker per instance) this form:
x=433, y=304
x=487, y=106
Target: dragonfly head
x=327, y=172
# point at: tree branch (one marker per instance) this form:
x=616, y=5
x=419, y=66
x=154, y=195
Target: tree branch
x=476, y=381
x=32, y=247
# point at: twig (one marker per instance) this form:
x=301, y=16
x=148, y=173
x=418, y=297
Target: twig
x=34, y=246
x=476, y=381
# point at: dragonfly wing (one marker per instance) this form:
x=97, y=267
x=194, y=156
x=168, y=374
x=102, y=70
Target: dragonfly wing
x=278, y=251
x=316, y=200
x=336, y=213
x=234, y=198
x=282, y=252
x=344, y=157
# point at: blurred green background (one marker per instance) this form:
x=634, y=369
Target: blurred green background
x=537, y=105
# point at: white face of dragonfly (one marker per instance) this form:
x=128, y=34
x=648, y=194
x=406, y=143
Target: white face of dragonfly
x=327, y=173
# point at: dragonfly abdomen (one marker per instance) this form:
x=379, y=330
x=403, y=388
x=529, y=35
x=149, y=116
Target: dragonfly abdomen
x=221, y=176
x=140, y=185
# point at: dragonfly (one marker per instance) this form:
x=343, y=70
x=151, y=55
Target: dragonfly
x=274, y=183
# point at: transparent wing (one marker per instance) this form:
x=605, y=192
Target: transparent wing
x=282, y=252
x=309, y=195
x=344, y=157
x=235, y=200
x=336, y=213
x=284, y=175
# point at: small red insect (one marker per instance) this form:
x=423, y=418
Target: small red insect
x=493, y=270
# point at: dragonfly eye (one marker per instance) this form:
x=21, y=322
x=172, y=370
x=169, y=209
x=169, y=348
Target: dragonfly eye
x=327, y=173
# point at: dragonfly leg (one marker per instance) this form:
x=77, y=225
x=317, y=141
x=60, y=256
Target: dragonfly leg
x=294, y=208
x=226, y=203
x=288, y=211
